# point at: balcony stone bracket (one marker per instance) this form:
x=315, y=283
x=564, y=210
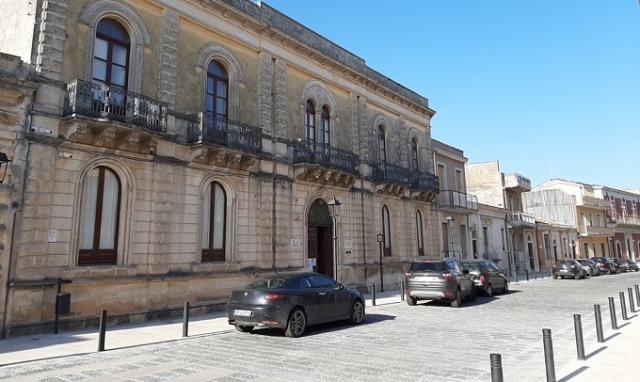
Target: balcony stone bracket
x=424, y=196
x=324, y=176
x=108, y=136
x=391, y=189
x=222, y=157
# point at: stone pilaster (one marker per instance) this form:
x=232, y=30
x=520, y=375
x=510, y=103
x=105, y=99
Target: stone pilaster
x=365, y=130
x=265, y=93
x=162, y=197
x=280, y=101
x=403, y=149
x=50, y=39
x=168, y=58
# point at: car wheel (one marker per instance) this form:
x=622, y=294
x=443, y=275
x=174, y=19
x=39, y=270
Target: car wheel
x=489, y=291
x=296, y=324
x=577, y=277
x=505, y=290
x=410, y=300
x=357, y=312
x=555, y=276
x=243, y=328
x=457, y=302
x=473, y=295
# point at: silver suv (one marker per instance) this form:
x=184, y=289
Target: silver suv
x=438, y=279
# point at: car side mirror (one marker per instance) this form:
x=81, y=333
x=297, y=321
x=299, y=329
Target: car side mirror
x=340, y=286
x=465, y=271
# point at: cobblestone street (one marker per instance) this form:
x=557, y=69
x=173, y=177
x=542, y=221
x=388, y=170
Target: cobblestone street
x=428, y=342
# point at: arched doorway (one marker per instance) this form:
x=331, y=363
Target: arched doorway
x=319, y=245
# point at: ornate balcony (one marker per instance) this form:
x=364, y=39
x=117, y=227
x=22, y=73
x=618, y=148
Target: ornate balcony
x=424, y=186
x=456, y=201
x=324, y=164
x=221, y=141
x=392, y=179
x=112, y=117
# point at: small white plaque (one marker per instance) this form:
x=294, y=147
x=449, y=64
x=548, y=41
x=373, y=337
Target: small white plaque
x=53, y=236
x=347, y=243
x=310, y=264
x=295, y=243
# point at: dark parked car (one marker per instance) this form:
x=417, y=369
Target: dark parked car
x=486, y=276
x=568, y=268
x=606, y=265
x=293, y=301
x=439, y=279
x=631, y=265
x=622, y=266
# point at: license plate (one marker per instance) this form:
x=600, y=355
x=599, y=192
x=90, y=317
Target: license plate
x=242, y=313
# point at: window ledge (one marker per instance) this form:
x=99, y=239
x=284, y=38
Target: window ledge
x=96, y=271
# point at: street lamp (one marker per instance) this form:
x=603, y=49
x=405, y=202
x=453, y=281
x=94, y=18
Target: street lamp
x=380, y=239
x=334, y=203
x=512, y=270
x=450, y=221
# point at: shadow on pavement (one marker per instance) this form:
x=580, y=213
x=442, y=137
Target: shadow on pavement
x=328, y=327
x=611, y=336
x=600, y=350
x=574, y=374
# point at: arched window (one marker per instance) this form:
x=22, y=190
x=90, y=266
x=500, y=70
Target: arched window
x=419, y=233
x=324, y=126
x=382, y=155
x=110, y=68
x=100, y=215
x=310, y=121
x=217, y=97
x=414, y=155
x=214, y=205
x=111, y=54
x=386, y=230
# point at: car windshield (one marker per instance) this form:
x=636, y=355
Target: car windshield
x=274, y=282
x=473, y=267
x=428, y=266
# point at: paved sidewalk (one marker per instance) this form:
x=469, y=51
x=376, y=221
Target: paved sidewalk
x=47, y=346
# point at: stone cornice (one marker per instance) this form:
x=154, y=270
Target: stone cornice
x=266, y=22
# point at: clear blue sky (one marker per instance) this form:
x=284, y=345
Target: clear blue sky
x=549, y=88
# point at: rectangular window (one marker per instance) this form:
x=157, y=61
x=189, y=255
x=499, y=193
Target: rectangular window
x=503, y=239
x=442, y=177
x=458, y=180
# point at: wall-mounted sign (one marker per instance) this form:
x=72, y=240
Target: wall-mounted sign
x=347, y=243
x=347, y=254
x=53, y=236
x=295, y=243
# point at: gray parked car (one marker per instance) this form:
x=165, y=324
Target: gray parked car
x=487, y=277
x=438, y=279
x=591, y=267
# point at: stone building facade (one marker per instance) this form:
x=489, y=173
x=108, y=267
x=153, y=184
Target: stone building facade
x=172, y=151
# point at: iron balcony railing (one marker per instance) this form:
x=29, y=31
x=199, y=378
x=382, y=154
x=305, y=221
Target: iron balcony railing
x=115, y=103
x=207, y=127
x=324, y=155
x=391, y=173
x=424, y=181
x=455, y=199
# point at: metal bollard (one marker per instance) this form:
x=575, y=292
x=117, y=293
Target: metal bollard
x=596, y=309
x=623, y=307
x=185, y=320
x=526, y=271
x=401, y=290
x=612, y=312
x=637, y=295
x=496, y=368
x=103, y=330
x=632, y=308
x=548, y=355
x=577, y=324
x=373, y=294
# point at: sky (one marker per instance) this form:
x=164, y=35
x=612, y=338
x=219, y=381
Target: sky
x=549, y=88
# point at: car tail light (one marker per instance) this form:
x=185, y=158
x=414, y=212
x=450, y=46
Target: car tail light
x=447, y=276
x=573, y=267
x=481, y=278
x=274, y=296
x=555, y=266
x=409, y=275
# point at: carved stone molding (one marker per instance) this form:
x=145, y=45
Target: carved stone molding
x=222, y=157
x=108, y=136
x=322, y=176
